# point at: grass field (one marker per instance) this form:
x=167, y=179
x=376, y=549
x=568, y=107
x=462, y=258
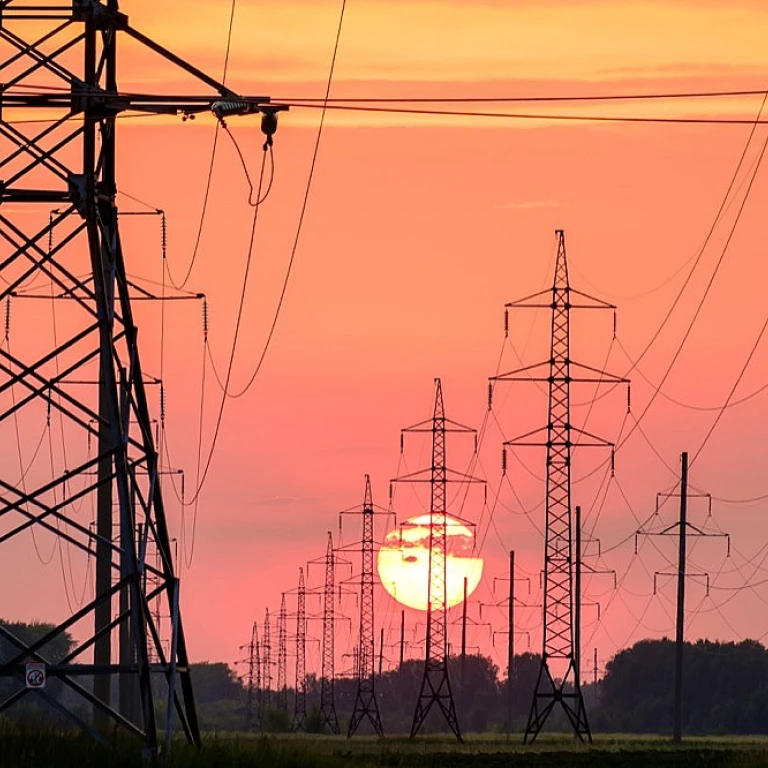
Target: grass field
x=28, y=749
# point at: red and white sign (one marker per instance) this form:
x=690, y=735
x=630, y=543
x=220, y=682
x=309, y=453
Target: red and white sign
x=35, y=675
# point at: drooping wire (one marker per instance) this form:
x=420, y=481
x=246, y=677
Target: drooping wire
x=711, y=281
x=202, y=476
x=251, y=202
x=206, y=195
x=299, y=227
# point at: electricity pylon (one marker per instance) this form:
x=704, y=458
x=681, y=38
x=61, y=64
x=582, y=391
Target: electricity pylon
x=562, y=685
x=59, y=109
x=266, y=663
x=435, y=683
x=282, y=656
x=253, y=675
x=366, y=705
x=327, y=687
x=300, y=704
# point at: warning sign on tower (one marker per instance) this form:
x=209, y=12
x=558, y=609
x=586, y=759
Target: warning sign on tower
x=35, y=675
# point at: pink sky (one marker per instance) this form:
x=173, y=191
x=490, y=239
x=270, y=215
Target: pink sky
x=418, y=231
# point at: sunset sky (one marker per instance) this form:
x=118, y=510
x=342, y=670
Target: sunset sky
x=418, y=230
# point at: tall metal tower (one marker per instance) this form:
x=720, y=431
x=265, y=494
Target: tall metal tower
x=327, y=687
x=59, y=110
x=560, y=685
x=266, y=663
x=253, y=675
x=300, y=705
x=366, y=705
x=282, y=656
x=435, y=683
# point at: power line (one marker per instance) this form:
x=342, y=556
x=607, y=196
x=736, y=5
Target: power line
x=538, y=98
x=302, y=214
x=527, y=115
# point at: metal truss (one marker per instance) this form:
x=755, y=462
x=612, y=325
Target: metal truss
x=366, y=705
x=300, y=703
x=559, y=372
x=59, y=110
x=327, y=687
x=435, y=684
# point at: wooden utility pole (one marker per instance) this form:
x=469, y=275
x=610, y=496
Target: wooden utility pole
x=511, y=643
x=464, y=631
x=677, y=731
x=577, y=602
x=402, y=637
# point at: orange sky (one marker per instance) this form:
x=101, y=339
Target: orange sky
x=418, y=230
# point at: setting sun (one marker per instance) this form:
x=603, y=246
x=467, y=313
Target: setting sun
x=404, y=562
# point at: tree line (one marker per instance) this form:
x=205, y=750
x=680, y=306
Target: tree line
x=725, y=690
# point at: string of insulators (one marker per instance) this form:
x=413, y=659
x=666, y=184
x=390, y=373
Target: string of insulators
x=614, y=323
x=205, y=318
x=50, y=233
x=183, y=476
x=490, y=395
x=629, y=398
x=162, y=404
x=7, y=318
x=390, y=493
x=163, y=234
x=402, y=442
x=226, y=107
x=506, y=323
x=485, y=495
x=48, y=412
x=613, y=462
x=503, y=461
x=475, y=442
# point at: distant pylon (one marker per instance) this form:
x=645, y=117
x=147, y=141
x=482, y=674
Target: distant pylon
x=266, y=664
x=558, y=602
x=327, y=688
x=282, y=657
x=253, y=672
x=435, y=684
x=365, y=700
x=300, y=705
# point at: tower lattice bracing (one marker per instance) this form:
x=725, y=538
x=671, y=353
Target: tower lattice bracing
x=300, y=705
x=557, y=681
x=253, y=682
x=366, y=705
x=282, y=656
x=80, y=377
x=435, y=684
x=259, y=685
x=327, y=682
x=266, y=664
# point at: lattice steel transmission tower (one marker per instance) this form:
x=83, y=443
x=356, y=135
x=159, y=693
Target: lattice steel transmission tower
x=59, y=108
x=366, y=705
x=558, y=603
x=435, y=683
x=266, y=663
x=282, y=656
x=327, y=683
x=300, y=704
x=254, y=674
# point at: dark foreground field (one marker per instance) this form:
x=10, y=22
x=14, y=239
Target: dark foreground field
x=35, y=750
